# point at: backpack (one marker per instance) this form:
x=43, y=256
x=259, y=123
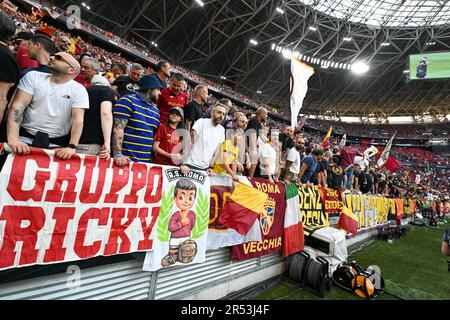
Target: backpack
x=364, y=283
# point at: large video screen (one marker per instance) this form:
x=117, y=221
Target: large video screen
x=429, y=66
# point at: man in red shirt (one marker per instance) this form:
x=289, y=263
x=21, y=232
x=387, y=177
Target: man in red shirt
x=348, y=155
x=166, y=139
x=173, y=96
x=23, y=58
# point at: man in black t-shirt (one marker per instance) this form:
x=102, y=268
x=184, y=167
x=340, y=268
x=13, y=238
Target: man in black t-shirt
x=9, y=69
x=336, y=178
x=98, y=120
x=322, y=170
x=358, y=178
x=382, y=185
x=367, y=187
x=129, y=84
x=194, y=110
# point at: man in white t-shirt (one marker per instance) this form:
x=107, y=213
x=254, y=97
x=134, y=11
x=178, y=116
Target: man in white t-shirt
x=362, y=162
x=267, y=158
x=209, y=134
x=48, y=109
x=294, y=161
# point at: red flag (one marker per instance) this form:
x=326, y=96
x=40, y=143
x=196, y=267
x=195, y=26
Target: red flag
x=37, y=12
x=327, y=138
x=243, y=208
x=348, y=221
x=392, y=164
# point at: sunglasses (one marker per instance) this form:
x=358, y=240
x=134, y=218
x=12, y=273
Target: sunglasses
x=60, y=58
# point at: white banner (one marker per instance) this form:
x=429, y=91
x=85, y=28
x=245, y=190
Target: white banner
x=182, y=226
x=300, y=74
x=343, y=141
x=386, y=153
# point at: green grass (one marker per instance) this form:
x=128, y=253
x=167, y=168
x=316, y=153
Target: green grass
x=438, y=67
x=413, y=269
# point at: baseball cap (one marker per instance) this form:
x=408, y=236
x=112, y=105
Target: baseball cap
x=149, y=82
x=70, y=59
x=23, y=36
x=180, y=111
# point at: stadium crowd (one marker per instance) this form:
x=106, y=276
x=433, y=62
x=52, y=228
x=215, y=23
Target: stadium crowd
x=78, y=98
x=418, y=131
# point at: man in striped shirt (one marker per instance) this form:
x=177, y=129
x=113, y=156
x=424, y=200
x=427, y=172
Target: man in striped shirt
x=136, y=120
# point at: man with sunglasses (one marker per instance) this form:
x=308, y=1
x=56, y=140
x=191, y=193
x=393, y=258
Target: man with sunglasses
x=293, y=162
x=48, y=109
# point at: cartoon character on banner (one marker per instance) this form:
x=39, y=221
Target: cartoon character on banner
x=181, y=247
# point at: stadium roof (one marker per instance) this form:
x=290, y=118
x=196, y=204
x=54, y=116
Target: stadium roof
x=389, y=13
x=215, y=41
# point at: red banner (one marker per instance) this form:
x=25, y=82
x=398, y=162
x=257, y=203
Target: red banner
x=54, y=211
x=333, y=205
x=271, y=221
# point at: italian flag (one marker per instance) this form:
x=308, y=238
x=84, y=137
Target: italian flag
x=294, y=239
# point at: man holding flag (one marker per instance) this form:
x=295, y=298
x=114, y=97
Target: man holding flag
x=387, y=151
x=300, y=74
x=348, y=155
x=343, y=141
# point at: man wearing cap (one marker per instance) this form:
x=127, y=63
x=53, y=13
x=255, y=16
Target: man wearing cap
x=48, y=109
x=167, y=139
x=136, y=120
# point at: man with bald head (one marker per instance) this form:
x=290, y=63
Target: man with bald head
x=63, y=44
x=48, y=109
x=193, y=110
